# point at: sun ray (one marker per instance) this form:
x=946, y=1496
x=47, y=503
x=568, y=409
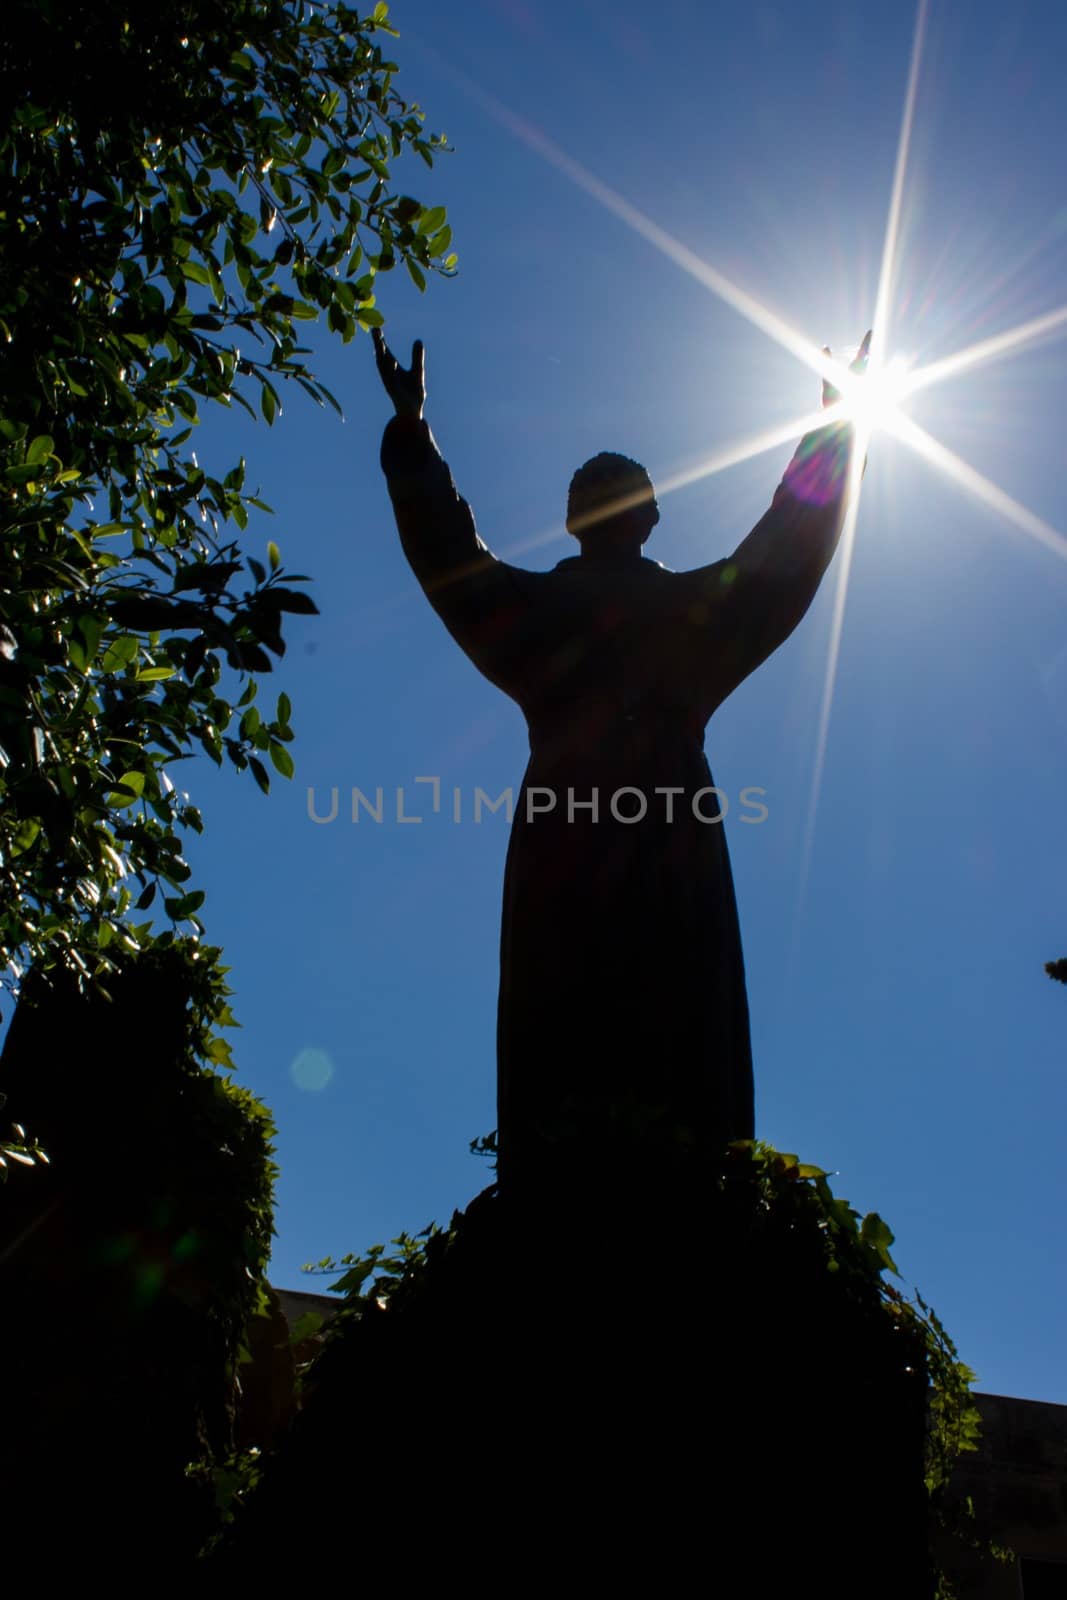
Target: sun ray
x=1001, y=344
x=756, y=444
x=887, y=274
x=879, y=336
x=731, y=455
x=739, y=299
x=837, y=623
x=1027, y=521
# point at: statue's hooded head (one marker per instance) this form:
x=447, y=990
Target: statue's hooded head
x=611, y=504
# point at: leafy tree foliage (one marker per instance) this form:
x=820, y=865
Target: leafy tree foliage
x=142, y=1249
x=182, y=186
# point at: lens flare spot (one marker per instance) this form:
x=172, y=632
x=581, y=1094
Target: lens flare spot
x=311, y=1070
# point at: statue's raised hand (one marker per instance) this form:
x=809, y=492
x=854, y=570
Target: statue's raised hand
x=406, y=387
x=830, y=395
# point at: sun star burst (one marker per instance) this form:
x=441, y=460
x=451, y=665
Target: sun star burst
x=873, y=401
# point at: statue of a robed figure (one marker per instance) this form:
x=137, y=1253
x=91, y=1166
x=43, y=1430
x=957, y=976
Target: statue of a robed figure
x=647, y=1356
x=622, y=1004
x=641, y=1355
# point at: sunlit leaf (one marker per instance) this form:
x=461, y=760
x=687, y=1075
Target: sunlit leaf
x=39, y=449
x=432, y=220
x=128, y=788
x=281, y=758
x=119, y=653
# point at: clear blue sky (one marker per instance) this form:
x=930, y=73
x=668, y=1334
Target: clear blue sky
x=905, y=1033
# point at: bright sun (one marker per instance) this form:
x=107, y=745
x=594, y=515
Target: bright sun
x=873, y=399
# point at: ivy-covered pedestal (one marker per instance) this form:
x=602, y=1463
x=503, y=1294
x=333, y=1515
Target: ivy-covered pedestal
x=676, y=1383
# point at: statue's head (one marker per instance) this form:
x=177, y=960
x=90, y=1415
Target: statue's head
x=611, y=503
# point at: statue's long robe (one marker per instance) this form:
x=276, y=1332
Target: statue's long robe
x=622, y=986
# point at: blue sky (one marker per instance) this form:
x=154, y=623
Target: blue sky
x=905, y=1034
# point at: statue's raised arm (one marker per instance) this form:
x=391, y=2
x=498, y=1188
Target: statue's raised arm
x=754, y=599
x=482, y=601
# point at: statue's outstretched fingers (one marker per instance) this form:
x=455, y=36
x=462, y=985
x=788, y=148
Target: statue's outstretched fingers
x=383, y=356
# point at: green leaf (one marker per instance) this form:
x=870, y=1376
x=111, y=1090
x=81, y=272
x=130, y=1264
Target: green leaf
x=432, y=220
x=281, y=758
x=119, y=653
x=274, y=555
x=294, y=600
x=90, y=628
x=24, y=836
x=416, y=274
x=259, y=772
x=180, y=907
x=130, y=788
x=155, y=674
x=284, y=710
x=306, y=1327
x=878, y=1236
x=39, y=449
x=196, y=273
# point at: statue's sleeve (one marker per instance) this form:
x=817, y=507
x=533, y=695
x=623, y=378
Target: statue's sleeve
x=751, y=602
x=485, y=604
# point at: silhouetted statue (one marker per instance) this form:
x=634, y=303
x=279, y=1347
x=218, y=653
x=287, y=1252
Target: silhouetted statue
x=623, y=1019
